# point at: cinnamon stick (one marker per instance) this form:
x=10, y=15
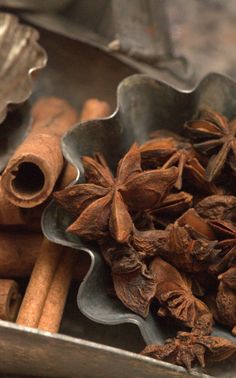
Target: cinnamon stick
x=39, y=284
x=31, y=173
x=15, y=217
x=94, y=108
x=55, y=302
x=9, y=300
x=56, y=299
x=49, y=276
x=18, y=253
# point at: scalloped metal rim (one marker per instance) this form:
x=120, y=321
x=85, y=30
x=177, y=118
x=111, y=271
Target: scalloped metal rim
x=40, y=62
x=131, y=317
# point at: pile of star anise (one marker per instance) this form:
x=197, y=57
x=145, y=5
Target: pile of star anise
x=166, y=226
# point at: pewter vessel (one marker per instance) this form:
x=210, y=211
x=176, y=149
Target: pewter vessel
x=20, y=57
x=143, y=105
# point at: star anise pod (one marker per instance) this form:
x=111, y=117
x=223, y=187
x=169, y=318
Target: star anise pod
x=189, y=348
x=176, y=299
x=121, y=258
x=173, y=205
x=214, y=132
x=226, y=234
x=195, y=224
x=217, y=207
x=135, y=290
x=171, y=152
x=103, y=203
x=226, y=304
x=133, y=283
x=229, y=278
x=189, y=252
x=186, y=160
x=151, y=242
x=156, y=151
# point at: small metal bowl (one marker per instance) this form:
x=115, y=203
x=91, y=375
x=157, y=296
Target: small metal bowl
x=20, y=57
x=144, y=105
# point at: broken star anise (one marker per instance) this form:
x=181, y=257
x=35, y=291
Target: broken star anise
x=217, y=207
x=133, y=284
x=213, y=131
x=226, y=234
x=229, y=277
x=167, y=152
x=226, y=305
x=135, y=290
x=173, y=205
x=156, y=151
x=185, y=159
x=102, y=204
x=174, y=294
x=189, y=348
x=187, y=251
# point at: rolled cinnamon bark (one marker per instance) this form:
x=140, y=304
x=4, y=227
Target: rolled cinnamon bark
x=31, y=173
x=39, y=284
x=56, y=299
x=15, y=217
x=9, y=213
x=18, y=253
x=94, y=108
x=9, y=300
x=42, y=278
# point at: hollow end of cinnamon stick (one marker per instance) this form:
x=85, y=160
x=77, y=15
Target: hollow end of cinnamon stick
x=33, y=170
x=10, y=299
x=29, y=178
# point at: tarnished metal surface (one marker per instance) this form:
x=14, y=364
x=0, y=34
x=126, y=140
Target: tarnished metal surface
x=203, y=31
x=144, y=105
x=13, y=131
x=28, y=352
x=20, y=56
x=77, y=71
x=140, y=30
x=35, y=5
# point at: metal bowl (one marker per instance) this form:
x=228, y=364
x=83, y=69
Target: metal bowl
x=144, y=105
x=20, y=56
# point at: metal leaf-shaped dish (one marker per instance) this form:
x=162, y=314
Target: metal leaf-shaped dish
x=144, y=105
x=20, y=56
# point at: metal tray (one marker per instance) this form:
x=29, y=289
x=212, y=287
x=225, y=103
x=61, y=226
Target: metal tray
x=77, y=71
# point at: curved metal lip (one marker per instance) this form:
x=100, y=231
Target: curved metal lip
x=31, y=36
x=80, y=140
x=40, y=337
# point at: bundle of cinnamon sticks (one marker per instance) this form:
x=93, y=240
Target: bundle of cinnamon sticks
x=35, y=170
